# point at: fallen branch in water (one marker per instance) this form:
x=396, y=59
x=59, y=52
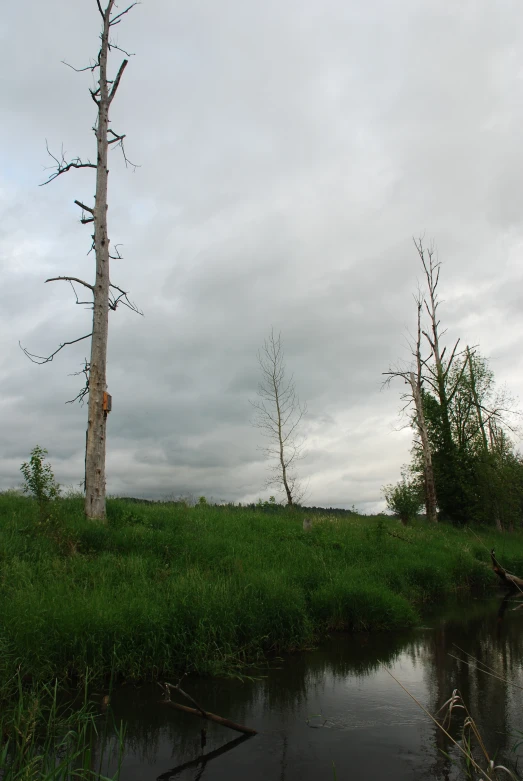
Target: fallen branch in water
x=510, y=581
x=199, y=711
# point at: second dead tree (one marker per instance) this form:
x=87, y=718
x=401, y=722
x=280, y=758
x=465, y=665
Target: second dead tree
x=278, y=413
x=415, y=382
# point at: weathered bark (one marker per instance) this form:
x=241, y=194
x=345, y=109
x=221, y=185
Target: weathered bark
x=97, y=418
x=508, y=580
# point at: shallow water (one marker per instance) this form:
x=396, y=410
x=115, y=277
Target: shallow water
x=335, y=712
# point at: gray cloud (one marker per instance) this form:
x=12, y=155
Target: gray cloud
x=288, y=152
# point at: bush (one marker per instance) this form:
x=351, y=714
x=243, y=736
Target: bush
x=404, y=499
x=39, y=480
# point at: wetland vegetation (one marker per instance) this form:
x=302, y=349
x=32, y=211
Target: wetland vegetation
x=164, y=588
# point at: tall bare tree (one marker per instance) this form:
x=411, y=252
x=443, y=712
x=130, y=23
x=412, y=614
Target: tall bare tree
x=105, y=295
x=439, y=372
x=278, y=415
x=414, y=379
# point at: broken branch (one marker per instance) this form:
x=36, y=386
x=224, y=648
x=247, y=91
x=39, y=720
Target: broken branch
x=41, y=360
x=122, y=13
x=211, y=717
x=84, y=207
x=118, y=76
x=70, y=279
x=511, y=581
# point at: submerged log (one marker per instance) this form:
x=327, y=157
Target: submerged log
x=211, y=717
x=508, y=580
x=199, y=711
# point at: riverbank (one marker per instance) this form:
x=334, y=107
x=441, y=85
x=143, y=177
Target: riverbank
x=163, y=588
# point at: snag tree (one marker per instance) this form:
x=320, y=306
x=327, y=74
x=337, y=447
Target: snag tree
x=415, y=394
x=104, y=294
x=278, y=413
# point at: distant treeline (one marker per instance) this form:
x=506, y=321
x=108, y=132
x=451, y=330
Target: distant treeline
x=263, y=506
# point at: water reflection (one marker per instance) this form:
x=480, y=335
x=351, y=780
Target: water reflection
x=338, y=705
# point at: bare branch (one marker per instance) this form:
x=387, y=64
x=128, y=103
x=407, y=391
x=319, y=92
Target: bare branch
x=122, y=298
x=41, y=360
x=63, y=167
x=117, y=256
x=102, y=14
x=84, y=207
x=85, y=390
x=118, y=77
x=119, y=48
x=81, y=70
x=70, y=279
x=119, y=16
x=118, y=140
x=116, y=137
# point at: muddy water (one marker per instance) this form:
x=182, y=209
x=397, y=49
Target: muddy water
x=335, y=712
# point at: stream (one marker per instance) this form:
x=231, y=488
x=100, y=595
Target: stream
x=335, y=712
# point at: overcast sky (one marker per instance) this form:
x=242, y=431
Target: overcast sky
x=288, y=152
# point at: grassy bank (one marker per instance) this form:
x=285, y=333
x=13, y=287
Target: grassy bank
x=164, y=588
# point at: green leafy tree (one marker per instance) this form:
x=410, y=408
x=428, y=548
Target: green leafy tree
x=484, y=482
x=405, y=499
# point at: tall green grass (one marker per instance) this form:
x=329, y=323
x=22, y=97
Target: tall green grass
x=166, y=588
x=163, y=588
x=47, y=736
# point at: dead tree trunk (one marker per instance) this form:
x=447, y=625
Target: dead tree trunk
x=97, y=417
x=415, y=381
x=437, y=376
x=105, y=295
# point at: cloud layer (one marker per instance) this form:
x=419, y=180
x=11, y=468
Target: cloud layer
x=288, y=152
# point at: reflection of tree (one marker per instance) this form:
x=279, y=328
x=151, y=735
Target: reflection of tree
x=283, y=692
x=492, y=637
x=202, y=760
x=280, y=690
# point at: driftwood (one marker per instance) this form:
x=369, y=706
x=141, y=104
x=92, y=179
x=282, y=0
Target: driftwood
x=508, y=580
x=199, y=711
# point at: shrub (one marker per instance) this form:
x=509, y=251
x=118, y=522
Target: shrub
x=403, y=499
x=39, y=480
